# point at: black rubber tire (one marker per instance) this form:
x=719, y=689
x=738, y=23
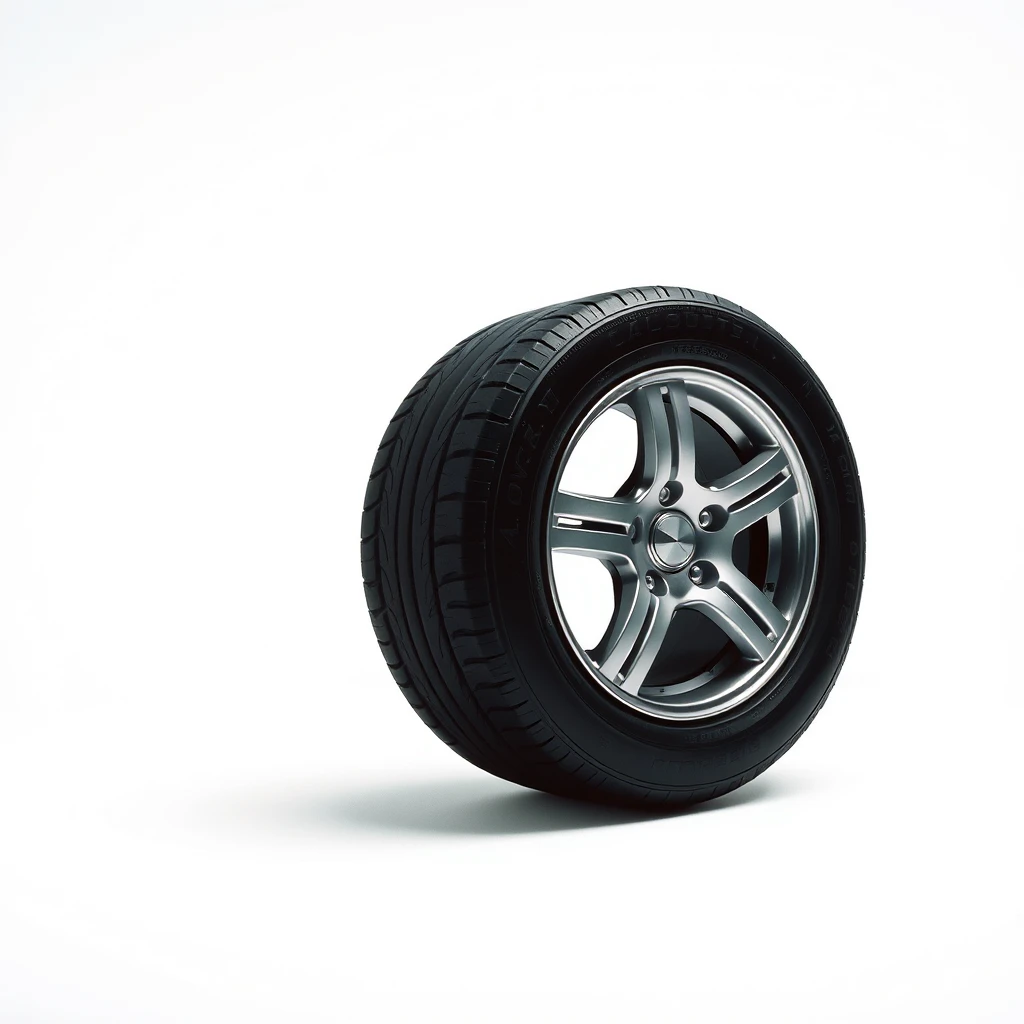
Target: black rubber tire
x=452, y=549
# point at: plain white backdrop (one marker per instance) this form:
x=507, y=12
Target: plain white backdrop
x=231, y=237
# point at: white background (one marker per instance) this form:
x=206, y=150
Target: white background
x=231, y=238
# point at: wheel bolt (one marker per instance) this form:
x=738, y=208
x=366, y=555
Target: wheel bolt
x=649, y=580
x=696, y=573
x=704, y=519
x=664, y=496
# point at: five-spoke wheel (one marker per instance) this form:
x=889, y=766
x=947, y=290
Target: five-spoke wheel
x=669, y=538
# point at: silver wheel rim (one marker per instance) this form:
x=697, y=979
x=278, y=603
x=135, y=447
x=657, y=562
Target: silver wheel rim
x=669, y=538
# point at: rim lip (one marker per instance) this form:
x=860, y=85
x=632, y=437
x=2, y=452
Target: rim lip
x=754, y=681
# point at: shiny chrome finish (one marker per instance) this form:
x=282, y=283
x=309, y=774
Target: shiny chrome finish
x=645, y=535
x=672, y=541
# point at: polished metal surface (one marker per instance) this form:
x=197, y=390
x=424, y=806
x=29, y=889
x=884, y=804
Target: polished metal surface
x=668, y=518
x=672, y=541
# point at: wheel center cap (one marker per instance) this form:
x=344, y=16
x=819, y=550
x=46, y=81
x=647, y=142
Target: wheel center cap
x=673, y=539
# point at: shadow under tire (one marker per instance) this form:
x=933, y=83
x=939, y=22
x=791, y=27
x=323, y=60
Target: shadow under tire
x=733, y=548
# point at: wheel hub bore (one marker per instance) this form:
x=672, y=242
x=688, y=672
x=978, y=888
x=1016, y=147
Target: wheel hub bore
x=672, y=540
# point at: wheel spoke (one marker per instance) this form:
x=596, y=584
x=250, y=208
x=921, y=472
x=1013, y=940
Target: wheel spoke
x=583, y=524
x=665, y=433
x=632, y=601
x=755, y=600
x=744, y=613
x=763, y=505
x=634, y=637
x=756, y=489
x=645, y=650
x=612, y=513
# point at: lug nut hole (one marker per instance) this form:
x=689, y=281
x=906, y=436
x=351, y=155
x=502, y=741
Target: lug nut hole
x=671, y=493
x=656, y=583
x=712, y=518
x=703, y=574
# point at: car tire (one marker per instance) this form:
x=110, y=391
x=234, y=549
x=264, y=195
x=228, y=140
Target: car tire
x=733, y=548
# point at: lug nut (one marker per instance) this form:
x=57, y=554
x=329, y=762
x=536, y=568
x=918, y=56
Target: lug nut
x=649, y=580
x=664, y=496
x=696, y=573
x=704, y=519
x=772, y=638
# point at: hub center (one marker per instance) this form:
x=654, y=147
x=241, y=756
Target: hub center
x=672, y=540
